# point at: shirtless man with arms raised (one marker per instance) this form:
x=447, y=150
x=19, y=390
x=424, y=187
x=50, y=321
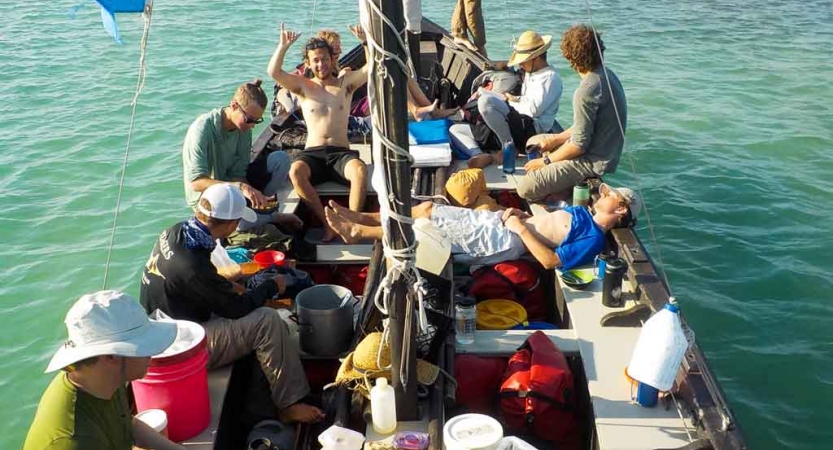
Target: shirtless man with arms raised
x=325, y=101
x=560, y=239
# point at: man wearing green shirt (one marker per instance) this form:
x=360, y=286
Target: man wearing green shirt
x=85, y=406
x=217, y=149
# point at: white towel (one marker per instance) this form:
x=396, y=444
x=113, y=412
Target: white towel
x=431, y=155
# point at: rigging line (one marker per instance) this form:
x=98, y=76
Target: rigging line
x=140, y=84
x=312, y=19
x=630, y=156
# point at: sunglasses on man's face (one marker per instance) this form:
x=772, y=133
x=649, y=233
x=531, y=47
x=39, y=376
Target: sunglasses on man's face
x=247, y=118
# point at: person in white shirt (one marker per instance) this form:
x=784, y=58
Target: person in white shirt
x=510, y=118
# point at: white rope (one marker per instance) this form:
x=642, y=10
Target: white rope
x=140, y=84
x=401, y=261
x=629, y=155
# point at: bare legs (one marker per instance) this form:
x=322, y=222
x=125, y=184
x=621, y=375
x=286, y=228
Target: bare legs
x=421, y=107
x=355, y=172
x=300, y=174
x=355, y=226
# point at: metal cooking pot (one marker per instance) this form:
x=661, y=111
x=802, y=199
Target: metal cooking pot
x=325, y=319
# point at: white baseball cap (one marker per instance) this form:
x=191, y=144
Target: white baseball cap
x=110, y=323
x=227, y=203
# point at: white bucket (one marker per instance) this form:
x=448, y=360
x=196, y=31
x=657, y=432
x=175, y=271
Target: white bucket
x=156, y=419
x=472, y=432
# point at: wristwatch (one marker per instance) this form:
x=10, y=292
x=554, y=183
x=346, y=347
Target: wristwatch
x=547, y=160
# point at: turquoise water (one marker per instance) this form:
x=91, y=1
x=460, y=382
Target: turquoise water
x=729, y=131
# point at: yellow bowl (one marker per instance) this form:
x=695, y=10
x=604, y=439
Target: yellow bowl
x=500, y=314
x=249, y=268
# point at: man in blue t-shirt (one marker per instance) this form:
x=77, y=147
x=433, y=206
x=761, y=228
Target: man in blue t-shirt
x=561, y=239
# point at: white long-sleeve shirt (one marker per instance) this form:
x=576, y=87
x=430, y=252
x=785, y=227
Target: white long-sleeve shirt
x=540, y=97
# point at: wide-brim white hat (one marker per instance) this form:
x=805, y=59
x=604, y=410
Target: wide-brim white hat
x=110, y=323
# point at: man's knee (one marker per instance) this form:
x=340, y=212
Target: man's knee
x=268, y=320
x=529, y=189
x=276, y=160
x=299, y=171
x=355, y=170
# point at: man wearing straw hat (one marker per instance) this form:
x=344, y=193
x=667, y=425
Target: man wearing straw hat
x=514, y=119
x=110, y=342
x=180, y=280
x=591, y=147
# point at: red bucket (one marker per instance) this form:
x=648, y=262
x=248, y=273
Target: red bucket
x=178, y=384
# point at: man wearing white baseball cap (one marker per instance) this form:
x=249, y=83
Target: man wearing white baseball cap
x=180, y=280
x=110, y=342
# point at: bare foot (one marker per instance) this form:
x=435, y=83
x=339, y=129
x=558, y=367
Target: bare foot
x=300, y=412
x=460, y=40
x=480, y=161
x=290, y=221
x=348, y=231
x=350, y=215
x=426, y=112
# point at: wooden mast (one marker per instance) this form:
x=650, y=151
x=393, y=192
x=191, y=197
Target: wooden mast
x=391, y=118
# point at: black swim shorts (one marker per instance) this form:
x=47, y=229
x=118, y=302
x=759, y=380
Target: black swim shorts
x=326, y=163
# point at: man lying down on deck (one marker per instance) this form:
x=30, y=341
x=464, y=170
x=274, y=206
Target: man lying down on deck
x=560, y=239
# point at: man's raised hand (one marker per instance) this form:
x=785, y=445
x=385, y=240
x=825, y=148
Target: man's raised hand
x=288, y=37
x=358, y=31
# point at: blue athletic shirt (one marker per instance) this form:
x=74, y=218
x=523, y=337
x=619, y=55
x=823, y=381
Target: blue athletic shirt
x=584, y=241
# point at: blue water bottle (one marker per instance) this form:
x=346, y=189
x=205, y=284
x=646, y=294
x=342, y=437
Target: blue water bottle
x=509, y=155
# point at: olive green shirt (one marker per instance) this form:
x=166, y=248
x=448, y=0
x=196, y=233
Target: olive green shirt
x=209, y=151
x=70, y=419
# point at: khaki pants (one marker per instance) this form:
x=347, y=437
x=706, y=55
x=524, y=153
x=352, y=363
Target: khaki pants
x=468, y=17
x=263, y=332
x=554, y=178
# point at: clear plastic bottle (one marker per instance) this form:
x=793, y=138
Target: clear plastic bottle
x=383, y=407
x=466, y=313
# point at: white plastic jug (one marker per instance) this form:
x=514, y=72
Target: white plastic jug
x=383, y=407
x=660, y=349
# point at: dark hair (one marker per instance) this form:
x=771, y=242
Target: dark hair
x=251, y=92
x=626, y=220
x=578, y=45
x=210, y=221
x=315, y=43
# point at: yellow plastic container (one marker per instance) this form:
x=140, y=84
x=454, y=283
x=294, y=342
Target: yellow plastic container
x=500, y=314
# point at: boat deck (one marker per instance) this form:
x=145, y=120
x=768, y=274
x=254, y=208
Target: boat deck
x=620, y=424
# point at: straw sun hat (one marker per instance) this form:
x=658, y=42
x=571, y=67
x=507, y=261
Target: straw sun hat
x=530, y=45
x=368, y=362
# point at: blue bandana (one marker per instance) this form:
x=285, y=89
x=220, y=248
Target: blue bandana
x=197, y=235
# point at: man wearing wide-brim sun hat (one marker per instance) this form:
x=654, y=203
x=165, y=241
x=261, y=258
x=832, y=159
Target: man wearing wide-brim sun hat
x=510, y=119
x=372, y=360
x=110, y=342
